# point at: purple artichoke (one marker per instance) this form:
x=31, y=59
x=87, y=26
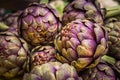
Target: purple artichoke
x=13, y=55
x=52, y=71
x=39, y=24
x=43, y=54
x=101, y=72
x=113, y=28
x=82, y=9
x=81, y=43
x=11, y=21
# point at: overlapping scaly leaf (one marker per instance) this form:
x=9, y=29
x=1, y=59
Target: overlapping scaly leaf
x=81, y=43
x=39, y=24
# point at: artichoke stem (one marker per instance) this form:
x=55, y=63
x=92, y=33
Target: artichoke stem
x=109, y=59
x=3, y=26
x=112, y=11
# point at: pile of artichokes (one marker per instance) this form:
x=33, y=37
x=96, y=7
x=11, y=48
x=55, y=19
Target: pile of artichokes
x=59, y=40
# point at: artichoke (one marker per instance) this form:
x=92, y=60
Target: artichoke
x=52, y=71
x=82, y=9
x=39, y=24
x=43, y=54
x=113, y=28
x=11, y=21
x=101, y=72
x=13, y=55
x=81, y=43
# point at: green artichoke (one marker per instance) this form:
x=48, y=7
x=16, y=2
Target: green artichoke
x=43, y=54
x=101, y=72
x=11, y=21
x=52, y=71
x=113, y=28
x=13, y=55
x=39, y=24
x=82, y=9
x=81, y=43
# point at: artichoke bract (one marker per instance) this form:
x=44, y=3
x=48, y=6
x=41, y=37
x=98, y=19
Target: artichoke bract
x=43, y=54
x=39, y=24
x=13, y=55
x=52, y=71
x=113, y=28
x=101, y=72
x=81, y=43
x=82, y=9
x=11, y=21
